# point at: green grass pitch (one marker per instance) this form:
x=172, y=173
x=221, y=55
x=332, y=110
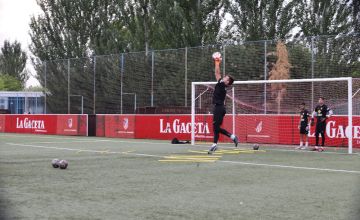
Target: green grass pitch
x=147, y=179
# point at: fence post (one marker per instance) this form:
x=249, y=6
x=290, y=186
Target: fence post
x=152, y=78
x=82, y=105
x=68, y=86
x=36, y=105
x=121, y=82
x=186, y=55
x=265, y=75
x=312, y=72
x=224, y=58
x=94, y=88
x=45, y=91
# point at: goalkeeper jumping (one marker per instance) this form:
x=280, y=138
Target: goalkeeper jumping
x=219, y=110
x=321, y=112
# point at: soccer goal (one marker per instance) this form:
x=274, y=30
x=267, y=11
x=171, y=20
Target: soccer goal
x=267, y=111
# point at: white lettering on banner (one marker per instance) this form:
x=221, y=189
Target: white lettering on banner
x=356, y=132
x=126, y=123
x=339, y=132
x=258, y=128
x=179, y=127
x=333, y=131
x=167, y=127
x=28, y=124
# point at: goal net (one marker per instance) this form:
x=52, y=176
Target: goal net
x=267, y=111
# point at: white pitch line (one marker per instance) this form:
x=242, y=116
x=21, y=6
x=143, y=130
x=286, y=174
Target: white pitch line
x=292, y=167
x=41, y=136
x=164, y=143
x=286, y=150
x=83, y=150
x=223, y=161
x=64, y=142
x=82, y=138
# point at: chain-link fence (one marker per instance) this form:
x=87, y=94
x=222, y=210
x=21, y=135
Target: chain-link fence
x=160, y=81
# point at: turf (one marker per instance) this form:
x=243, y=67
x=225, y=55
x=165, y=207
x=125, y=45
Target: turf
x=124, y=179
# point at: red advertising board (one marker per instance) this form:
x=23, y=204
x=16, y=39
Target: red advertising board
x=45, y=124
x=272, y=129
x=36, y=124
x=100, y=125
x=71, y=125
x=167, y=127
x=121, y=126
x=2, y=123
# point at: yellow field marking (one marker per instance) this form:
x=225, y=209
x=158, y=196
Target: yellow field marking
x=126, y=152
x=221, y=152
x=204, y=152
x=192, y=161
x=105, y=151
x=79, y=151
x=190, y=158
x=194, y=156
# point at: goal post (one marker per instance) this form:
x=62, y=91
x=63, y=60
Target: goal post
x=247, y=100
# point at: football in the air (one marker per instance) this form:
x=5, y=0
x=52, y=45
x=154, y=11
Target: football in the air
x=216, y=55
x=55, y=163
x=63, y=164
x=256, y=147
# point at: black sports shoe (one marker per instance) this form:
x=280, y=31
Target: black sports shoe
x=236, y=141
x=212, y=149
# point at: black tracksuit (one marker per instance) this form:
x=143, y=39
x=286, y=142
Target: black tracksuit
x=219, y=110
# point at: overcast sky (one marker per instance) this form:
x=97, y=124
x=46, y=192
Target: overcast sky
x=14, y=24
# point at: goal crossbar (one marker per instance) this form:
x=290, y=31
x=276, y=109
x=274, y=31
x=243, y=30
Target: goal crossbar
x=282, y=81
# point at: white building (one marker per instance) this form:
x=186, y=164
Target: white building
x=22, y=102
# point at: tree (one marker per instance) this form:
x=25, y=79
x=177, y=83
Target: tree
x=9, y=83
x=13, y=61
x=171, y=24
x=322, y=17
x=74, y=29
x=259, y=20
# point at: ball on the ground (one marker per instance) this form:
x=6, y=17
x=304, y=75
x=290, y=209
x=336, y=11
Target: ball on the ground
x=55, y=163
x=63, y=164
x=256, y=146
x=216, y=55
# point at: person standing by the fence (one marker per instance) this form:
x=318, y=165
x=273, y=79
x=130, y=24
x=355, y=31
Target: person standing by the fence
x=304, y=127
x=321, y=112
